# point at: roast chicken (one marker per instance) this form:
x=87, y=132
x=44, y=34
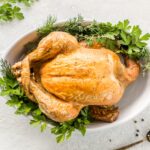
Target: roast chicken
x=63, y=76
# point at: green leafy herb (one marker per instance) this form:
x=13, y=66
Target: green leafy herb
x=10, y=87
x=74, y=27
x=121, y=37
x=47, y=27
x=9, y=10
x=64, y=130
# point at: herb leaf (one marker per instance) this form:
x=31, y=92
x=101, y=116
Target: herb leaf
x=9, y=10
x=47, y=27
x=64, y=130
x=10, y=87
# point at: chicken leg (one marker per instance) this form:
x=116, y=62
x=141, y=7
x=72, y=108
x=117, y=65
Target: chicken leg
x=53, y=107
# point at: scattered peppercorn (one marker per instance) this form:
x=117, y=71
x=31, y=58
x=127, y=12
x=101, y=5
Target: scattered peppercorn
x=137, y=130
x=135, y=143
x=142, y=119
x=137, y=134
x=148, y=136
x=110, y=140
x=135, y=121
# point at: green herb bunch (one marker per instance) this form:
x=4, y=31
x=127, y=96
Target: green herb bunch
x=10, y=87
x=120, y=38
x=10, y=10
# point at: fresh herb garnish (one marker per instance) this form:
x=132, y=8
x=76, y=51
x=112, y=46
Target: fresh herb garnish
x=121, y=38
x=9, y=10
x=64, y=130
x=10, y=87
x=47, y=27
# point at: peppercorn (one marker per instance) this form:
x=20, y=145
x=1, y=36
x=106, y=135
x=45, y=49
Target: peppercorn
x=148, y=136
x=137, y=134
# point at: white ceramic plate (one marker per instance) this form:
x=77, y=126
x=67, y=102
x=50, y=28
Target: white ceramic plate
x=135, y=99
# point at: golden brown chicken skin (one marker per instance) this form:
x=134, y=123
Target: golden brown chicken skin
x=72, y=75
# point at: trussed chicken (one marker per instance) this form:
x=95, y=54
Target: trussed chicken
x=63, y=76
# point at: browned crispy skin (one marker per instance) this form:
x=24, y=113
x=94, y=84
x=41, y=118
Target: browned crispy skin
x=72, y=75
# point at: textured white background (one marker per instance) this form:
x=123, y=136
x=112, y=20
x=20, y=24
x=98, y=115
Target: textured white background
x=15, y=132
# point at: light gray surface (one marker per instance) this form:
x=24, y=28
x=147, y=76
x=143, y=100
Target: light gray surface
x=15, y=132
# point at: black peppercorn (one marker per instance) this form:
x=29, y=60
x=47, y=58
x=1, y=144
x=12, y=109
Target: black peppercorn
x=148, y=136
x=136, y=134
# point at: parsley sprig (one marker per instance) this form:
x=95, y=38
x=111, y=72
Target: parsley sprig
x=11, y=88
x=64, y=130
x=9, y=12
x=9, y=9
